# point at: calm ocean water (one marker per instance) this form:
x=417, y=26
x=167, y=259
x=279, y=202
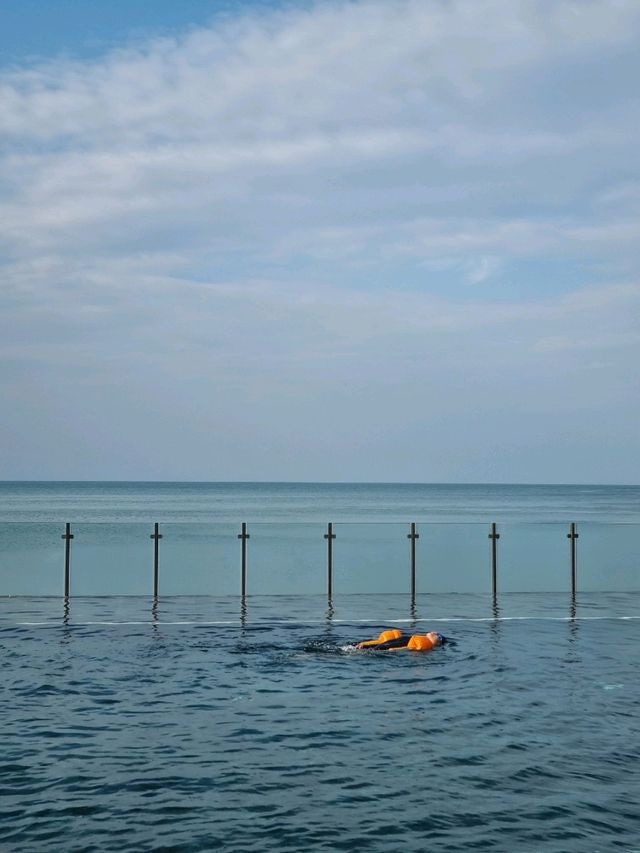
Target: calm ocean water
x=210, y=723
x=200, y=522
x=345, y=502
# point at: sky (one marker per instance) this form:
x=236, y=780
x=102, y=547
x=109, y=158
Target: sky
x=377, y=240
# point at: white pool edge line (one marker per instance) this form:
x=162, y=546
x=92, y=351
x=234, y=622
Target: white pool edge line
x=301, y=623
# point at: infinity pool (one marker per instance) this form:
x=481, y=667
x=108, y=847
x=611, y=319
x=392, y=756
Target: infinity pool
x=202, y=725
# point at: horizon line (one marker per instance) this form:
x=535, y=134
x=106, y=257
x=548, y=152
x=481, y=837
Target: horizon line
x=315, y=483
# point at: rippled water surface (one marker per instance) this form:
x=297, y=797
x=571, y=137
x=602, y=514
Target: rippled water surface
x=200, y=726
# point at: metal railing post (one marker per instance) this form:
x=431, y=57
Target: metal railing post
x=243, y=536
x=572, y=536
x=329, y=536
x=494, y=536
x=413, y=536
x=156, y=536
x=67, y=536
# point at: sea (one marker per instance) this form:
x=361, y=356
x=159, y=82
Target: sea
x=203, y=720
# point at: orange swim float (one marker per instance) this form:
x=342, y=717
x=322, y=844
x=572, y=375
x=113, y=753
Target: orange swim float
x=394, y=640
x=423, y=642
x=385, y=637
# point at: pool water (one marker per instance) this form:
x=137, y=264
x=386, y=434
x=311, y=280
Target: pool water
x=203, y=724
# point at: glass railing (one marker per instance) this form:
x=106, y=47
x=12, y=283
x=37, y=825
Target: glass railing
x=292, y=558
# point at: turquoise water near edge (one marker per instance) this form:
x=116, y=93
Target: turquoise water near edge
x=200, y=522
x=202, y=722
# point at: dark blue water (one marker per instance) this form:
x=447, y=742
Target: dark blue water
x=199, y=726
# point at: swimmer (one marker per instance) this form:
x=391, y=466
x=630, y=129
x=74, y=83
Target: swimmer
x=394, y=640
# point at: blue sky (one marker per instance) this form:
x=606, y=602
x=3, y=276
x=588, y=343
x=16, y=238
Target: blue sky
x=33, y=29
x=371, y=240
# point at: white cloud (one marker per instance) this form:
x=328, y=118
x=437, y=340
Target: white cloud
x=306, y=194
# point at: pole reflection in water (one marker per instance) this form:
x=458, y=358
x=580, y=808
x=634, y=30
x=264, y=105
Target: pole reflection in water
x=572, y=655
x=573, y=610
x=495, y=609
x=413, y=616
x=495, y=626
x=66, y=620
x=328, y=628
x=573, y=620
